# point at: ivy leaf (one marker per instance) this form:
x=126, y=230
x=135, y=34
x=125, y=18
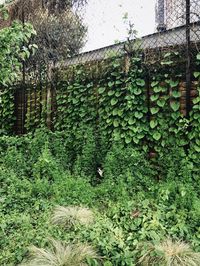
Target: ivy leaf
x=120, y=112
x=127, y=139
x=116, y=123
x=161, y=102
x=154, y=83
x=158, y=89
x=101, y=90
x=197, y=148
x=75, y=101
x=196, y=100
x=110, y=93
x=173, y=83
x=175, y=115
x=140, y=136
x=114, y=101
x=117, y=136
x=198, y=56
x=115, y=111
x=138, y=115
x=137, y=91
x=175, y=106
x=118, y=82
x=153, y=123
x=140, y=82
x=157, y=136
x=154, y=110
x=196, y=74
x=170, y=62
x=131, y=121
x=118, y=93
x=176, y=94
x=154, y=97
x=136, y=140
x=110, y=84
x=167, y=55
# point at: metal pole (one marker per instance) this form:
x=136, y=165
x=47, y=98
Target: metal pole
x=188, y=60
x=160, y=15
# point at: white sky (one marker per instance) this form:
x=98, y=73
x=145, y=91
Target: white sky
x=105, y=20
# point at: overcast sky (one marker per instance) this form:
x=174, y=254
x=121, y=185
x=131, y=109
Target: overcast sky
x=104, y=19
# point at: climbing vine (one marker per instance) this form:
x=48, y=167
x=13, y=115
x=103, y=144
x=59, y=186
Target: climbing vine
x=14, y=49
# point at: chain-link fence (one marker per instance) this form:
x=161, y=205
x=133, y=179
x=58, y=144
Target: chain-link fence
x=62, y=33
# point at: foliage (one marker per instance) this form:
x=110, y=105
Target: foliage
x=46, y=167
x=130, y=205
x=14, y=48
x=127, y=162
x=59, y=26
x=138, y=198
x=59, y=35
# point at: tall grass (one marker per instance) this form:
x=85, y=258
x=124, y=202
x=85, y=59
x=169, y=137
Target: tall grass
x=60, y=254
x=70, y=216
x=170, y=253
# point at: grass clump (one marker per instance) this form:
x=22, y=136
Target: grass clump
x=170, y=253
x=68, y=217
x=60, y=254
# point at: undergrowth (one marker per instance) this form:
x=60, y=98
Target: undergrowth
x=134, y=202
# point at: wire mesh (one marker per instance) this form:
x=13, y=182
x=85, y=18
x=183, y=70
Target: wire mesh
x=62, y=34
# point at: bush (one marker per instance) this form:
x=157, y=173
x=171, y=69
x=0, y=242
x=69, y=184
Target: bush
x=130, y=165
x=46, y=166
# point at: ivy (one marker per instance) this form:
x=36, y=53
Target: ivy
x=14, y=48
x=194, y=134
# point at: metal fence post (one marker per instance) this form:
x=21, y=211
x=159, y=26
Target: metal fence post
x=188, y=60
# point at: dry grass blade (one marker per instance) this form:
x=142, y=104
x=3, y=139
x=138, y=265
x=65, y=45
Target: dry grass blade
x=170, y=253
x=70, y=216
x=60, y=254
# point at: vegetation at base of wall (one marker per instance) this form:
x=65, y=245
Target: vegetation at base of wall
x=134, y=103
x=131, y=207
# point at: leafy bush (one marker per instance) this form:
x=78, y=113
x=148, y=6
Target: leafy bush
x=131, y=204
x=46, y=166
x=130, y=165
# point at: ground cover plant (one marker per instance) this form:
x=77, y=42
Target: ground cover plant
x=45, y=194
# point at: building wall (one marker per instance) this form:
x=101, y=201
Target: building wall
x=175, y=12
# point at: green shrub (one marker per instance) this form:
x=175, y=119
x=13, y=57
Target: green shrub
x=130, y=165
x=174, y=164
x=73, y=191
x=46, y=166
x=86, y=164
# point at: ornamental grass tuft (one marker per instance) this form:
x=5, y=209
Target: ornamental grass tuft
x=60, y=254
x=68, y=217
x=170, y=253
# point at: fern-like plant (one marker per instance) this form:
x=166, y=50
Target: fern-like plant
x=70, y=216
x=60, y=254
x=170, y=253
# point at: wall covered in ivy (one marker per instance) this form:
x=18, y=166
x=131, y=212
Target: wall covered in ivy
x=122, y=99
